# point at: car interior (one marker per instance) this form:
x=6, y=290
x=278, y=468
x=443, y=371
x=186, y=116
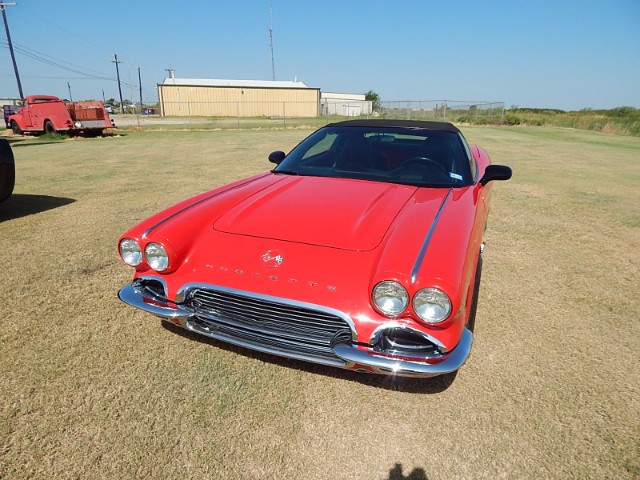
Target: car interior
x=423, y=158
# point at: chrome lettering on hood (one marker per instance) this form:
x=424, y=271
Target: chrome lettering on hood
x=425, y=245
x=271, y=277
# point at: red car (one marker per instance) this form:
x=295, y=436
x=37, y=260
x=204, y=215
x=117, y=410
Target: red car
x=361, y=249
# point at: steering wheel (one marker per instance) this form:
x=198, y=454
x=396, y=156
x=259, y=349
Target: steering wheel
x=420, y=161
x=423, y=165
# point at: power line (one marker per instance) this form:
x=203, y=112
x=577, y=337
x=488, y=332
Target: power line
x=87, y=74
x=71, y=35
x=39, y=56
x=52, y=63
x=47, y=58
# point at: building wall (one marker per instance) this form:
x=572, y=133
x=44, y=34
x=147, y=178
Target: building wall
x=17, y=102
x=216, y=101
x=345, y=104
x=346, y=108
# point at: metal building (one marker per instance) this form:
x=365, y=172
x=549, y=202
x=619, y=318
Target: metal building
x=345, y=104
x=237, y=98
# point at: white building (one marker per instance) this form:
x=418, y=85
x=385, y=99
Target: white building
x=345, y=104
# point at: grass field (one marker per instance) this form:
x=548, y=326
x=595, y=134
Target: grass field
x=94, y=389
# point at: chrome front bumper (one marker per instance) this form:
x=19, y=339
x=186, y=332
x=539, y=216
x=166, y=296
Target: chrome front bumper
x=349, y=357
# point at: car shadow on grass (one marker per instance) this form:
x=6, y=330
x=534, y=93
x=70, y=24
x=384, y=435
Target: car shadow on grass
x=21, y=205
x=33, y=143
x=402, y=384
x=396, y=473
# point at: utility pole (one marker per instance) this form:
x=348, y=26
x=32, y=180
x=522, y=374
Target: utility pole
x=69, y=87
x=13, y=56
x=119, y=86
x=140, y=84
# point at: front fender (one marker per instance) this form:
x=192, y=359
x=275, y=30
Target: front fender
x=18, y=119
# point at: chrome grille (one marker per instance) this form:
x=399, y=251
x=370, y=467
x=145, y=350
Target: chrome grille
x=278, y=327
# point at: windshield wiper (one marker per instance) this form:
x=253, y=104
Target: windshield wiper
x=287, y=172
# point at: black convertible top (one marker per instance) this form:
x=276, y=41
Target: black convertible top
x=442, y=126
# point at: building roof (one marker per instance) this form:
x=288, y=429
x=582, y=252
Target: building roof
x=210, y=82
x=356, y=97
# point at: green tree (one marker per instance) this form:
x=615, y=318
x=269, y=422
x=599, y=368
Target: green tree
x=374, y=98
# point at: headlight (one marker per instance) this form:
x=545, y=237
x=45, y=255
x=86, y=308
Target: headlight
x=130, y=252
x=432, y=305
x=390, y=297
x=157, y=257
x=78, y=124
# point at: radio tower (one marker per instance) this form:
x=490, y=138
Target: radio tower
x=273, y=65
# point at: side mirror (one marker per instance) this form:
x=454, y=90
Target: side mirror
x=495, y=172
x=277, y=157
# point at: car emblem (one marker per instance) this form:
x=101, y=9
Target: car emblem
x=272, y=258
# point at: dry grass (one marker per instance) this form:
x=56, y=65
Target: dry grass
x=93, y=389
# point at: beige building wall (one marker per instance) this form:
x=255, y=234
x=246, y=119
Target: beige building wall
x=214, y=101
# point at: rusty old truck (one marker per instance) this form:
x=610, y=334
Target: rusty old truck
x=49, y=114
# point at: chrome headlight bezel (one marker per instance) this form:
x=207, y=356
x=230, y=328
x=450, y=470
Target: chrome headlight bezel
x=432, y=305
x=390, y=298
x=156, y=256
x=130, y=252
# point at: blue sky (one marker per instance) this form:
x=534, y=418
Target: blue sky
x=567, y=54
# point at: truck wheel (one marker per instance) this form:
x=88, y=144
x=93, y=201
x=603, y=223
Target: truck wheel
x=48, y=127
x=15, y=127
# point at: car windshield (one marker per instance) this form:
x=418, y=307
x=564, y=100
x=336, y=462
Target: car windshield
x=411, y=156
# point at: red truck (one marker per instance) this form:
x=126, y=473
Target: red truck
x=48, y=114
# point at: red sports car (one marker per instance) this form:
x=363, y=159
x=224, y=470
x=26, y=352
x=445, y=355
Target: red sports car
x=361, y=249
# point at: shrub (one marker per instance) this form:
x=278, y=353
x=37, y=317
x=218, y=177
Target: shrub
x=510, y=119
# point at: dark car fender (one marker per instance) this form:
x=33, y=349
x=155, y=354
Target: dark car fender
x=7, y=170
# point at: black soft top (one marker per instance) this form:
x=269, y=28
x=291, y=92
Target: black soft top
x=442, y=126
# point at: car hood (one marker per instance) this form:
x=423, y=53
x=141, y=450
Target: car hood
x=337, y=213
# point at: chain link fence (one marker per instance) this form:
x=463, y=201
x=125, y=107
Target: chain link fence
x=291, y=114
x=442, y=110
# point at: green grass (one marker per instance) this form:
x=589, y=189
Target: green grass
x=48, y=137
x=94, y=389
x=620, y=121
